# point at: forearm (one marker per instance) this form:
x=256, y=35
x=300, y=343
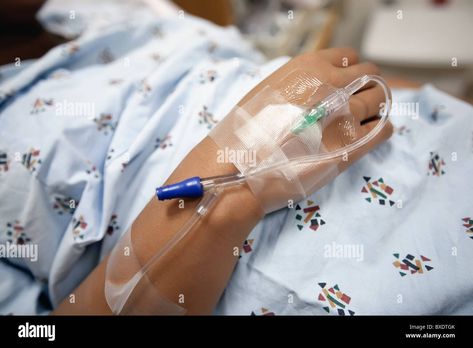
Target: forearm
x=198, y=268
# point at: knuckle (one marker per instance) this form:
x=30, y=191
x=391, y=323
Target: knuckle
x=372, y=68
x=308, y=58
x=389, y=129
x=337, y=77
x=352, y=53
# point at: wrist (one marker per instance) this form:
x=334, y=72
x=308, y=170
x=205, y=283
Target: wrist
x=234, y=204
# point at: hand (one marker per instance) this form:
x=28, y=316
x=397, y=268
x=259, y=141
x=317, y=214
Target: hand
x=268, y=107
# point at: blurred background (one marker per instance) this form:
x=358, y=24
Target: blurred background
x=413, y=41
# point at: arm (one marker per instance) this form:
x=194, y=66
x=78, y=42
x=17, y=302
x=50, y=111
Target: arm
x=200, y=267
x=210, y=248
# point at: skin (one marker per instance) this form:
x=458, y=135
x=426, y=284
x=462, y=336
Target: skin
x=200, y=266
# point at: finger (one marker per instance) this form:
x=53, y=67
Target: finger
x=340, y=56
x=379, y=138
x=367, y=103
x=342, y=77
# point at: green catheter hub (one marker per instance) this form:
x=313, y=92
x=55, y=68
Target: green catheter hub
x=310, y=119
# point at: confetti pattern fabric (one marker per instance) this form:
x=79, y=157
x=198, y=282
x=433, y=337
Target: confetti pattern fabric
x=83, y=128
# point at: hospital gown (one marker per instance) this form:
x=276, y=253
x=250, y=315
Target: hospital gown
x=89, y=130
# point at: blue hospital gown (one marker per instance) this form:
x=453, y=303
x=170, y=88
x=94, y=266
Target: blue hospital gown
x=89, y=130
